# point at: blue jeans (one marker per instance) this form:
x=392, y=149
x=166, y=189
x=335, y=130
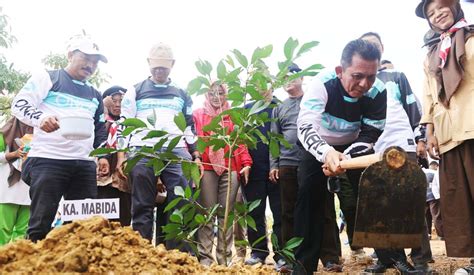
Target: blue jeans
x=144, y=191
x=49, y=180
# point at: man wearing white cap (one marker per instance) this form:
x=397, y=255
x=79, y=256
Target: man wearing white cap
x=58, y=166
x=159, y=98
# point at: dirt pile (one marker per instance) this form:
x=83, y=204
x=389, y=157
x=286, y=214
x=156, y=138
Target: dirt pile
x=99, y=246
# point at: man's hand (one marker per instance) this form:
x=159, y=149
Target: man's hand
x=432, y=144
x=432, y=141
x=421, y=149
x=274, y=176
x=104, y=167
x=199, y=164
x=49, y=124
x=161, y=188
x=331, y=165
x=120, y=165
x=245, y=172
x=19, y=153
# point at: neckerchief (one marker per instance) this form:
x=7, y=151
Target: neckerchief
x=446, y=41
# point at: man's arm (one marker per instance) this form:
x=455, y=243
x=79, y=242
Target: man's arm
x=409, y=101
x=26, y=102
x=275, y=128
x=312, y=107
x=190, y=132
x=100, y=132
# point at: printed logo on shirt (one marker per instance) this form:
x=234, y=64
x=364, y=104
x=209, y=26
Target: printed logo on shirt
x=67, y=101
x=338, y=124
x=175, y=104
x=411, y=141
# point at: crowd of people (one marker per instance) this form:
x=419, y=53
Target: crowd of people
x=360, y=107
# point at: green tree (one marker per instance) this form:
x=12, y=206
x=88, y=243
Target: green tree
x=11, y=80
x=56, y=61
x=247, y=78
x=6, y=39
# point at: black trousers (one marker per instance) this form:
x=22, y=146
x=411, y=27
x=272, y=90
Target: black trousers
x=311, y=211
x=261, y=189
x=331, y=244
x=144, y=191
x=49, y=180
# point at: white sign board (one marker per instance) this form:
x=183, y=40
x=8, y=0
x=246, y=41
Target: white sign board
x=83, y=209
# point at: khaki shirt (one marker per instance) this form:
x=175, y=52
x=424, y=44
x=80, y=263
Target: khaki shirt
x=454, y=125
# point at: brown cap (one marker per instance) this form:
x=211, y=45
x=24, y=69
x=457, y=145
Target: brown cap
x=161, y=55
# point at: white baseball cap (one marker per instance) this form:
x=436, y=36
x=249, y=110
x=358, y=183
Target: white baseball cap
x=161, y=55
x=86, y=45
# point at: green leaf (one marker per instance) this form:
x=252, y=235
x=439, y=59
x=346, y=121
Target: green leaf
x=189, y=215
x=230, y=61
x=201, y=145
x=178, y=191
x=196, y=194
x=236, y=96
x=172, y=204
x=264, y=237
x=170, y=227
x=195, y=174
x=135, y=122
x=194, y=85
x=160, y=144
x=254, y=94
x=274, y=239
x=188, y=192
x=241, y=243
x=240, y=207
x=204, y=67
x=293, y=243
x=130, y=163
x=152, y=118
x=254, y=205
x=199, y=218
x=260, y=53
x=242, y=222
x=290, y=47
x=177, y=216
x=221, y=70
x=233, y=76
x=186, y=167
x=128, y=131
x=102, y=151
x=241, y=58
x=258, y=107
x=168, y=156
x=180, y=121
x=307, y=47
x=158, y=166
x=154, y=134
x=274, y=148
x=251, y=222
x=314, y=67
x=173, y=143
x=262, y=137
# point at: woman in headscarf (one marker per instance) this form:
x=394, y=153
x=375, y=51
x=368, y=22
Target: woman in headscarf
x=214, y=180
x=448, y=104
x=14, y=193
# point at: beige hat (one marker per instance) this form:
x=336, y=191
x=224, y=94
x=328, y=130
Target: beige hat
x=161, y=55
x=86, y=45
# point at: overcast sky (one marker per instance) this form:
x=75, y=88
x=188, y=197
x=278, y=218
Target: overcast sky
x=209, y=29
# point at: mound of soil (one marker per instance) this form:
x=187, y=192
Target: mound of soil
x=99, y=246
